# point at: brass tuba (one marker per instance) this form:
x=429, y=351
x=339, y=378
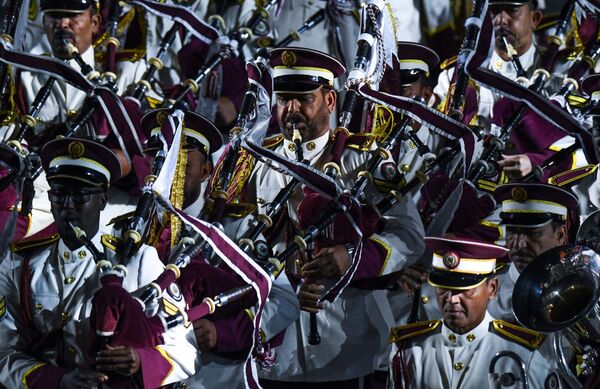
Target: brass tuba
x=558, y=292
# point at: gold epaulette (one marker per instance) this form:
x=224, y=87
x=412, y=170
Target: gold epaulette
x=110, y=242
x=120, y=218
x=400, y=333
x=362, y=141
x=33, y=242
x=272, y=141
x=448, y=62
x=521, y=335
x=571, y=176
x=239, y=210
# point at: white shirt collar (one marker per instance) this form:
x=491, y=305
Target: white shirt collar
x=79, y=254
x=513, y=273
x=310, y=149
x=195, y=208
x=506, y=68
x=452, y=339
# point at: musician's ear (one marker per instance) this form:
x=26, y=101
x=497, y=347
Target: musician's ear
x=492, y=285
x=562, y=237
x=536, y=18
x=205, y=169
x=96, y=22
x=330, y=99
x=103, y=200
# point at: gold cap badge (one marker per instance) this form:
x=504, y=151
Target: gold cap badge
x=451, y=260
x=76, y=149
x=519, y=194
x=288, y=58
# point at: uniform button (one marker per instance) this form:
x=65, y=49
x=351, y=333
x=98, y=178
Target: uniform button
x=66, y=255
x=452, y=338
x=292, y=147
x=183, y=385
x=71, y=112
x=81, y=254
x=458, y=366
x=38, y=307
x=310, y=146
x=412, y=145
x=424, y=299
x=65, y=316
x=499, y=64
x=405, y=167
x=260, y=200
x=69, y=280
x=470, y=338
x=71, y=350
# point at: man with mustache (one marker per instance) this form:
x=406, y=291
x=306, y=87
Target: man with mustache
x=75, y=22
x=536, y=218
x=516, y=21
x=357, y=319
x=48, y=282
x=456, y=352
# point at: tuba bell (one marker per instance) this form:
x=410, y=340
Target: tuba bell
x=558, y=293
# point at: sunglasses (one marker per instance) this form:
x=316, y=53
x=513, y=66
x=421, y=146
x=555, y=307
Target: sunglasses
x=78, y=197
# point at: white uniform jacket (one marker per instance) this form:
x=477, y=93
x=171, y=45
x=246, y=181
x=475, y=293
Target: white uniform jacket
x=437, y=357
x=358, y=318
x=62, y=286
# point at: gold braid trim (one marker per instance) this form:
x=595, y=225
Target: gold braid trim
x=9, y=115
x=383, y=121
x=394, y=21
x=241, y=174
x=177, y=191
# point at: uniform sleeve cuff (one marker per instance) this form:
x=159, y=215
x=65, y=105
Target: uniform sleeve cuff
x=43, y=376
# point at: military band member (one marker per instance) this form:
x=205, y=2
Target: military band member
x=456, y=351
x=536, y=217
x=516, y=21
x=75, y=22
x=47, y=284
x=411, y=76
x=224, y=339
x=303, y=84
